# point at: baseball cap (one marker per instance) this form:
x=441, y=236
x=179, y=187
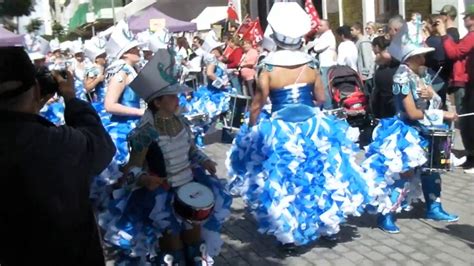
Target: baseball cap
x=449, y=10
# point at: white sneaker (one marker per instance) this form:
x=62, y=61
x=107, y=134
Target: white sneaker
x=457, y=161
x=469, y=171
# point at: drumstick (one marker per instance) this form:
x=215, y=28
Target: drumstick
x=468, y=114
x=435, y=75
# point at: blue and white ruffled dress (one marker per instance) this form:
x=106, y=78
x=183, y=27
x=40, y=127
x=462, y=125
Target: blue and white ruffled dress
x=118, y=129
x=397, y=147
x=138, y=217
x=296, y=170
x=207, y=100
x=54, y=112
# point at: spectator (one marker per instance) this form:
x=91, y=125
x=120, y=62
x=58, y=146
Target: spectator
x=47, y=171
x=233, y=62
x=247, y=68
x=365, y=56
x=449, y=14
x=324, y=45
x=381, y=97
x=347, y=54
x=463, y=52
x=394, y=25
x=182, y=49
x=370, y=30
x=437, y=59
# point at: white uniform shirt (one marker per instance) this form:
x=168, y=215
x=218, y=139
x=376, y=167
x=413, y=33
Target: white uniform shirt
x=347, y=54
x=325, y=46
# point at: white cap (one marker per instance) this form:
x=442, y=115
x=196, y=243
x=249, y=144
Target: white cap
x=77, y=47
x=289, y=23
x=94, y=47
x=54, y=45
x=408, y=42
x=121, y=40
x=268, y=43
x=211, y=42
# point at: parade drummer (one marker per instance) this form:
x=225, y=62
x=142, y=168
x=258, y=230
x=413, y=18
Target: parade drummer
x=163, y=159
x=398, y=150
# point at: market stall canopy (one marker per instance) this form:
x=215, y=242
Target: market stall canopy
x=140, y=21
x=8, y=38
x=209, y=16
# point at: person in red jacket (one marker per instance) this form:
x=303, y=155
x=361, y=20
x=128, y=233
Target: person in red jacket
x=233, y=63
x=464, y=72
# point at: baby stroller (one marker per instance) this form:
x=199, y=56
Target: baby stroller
x=348, y=98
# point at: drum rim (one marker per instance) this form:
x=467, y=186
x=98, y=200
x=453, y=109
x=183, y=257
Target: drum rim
x=211, y=204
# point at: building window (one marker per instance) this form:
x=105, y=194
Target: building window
x=420, y=6
x=385, y=9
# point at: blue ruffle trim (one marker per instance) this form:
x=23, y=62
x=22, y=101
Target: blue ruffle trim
x=137, y=218
x=299, y=179
x=54, y=112
x=396, y=148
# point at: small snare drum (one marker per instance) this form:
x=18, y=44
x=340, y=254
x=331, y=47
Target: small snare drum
x=438, y=151
x=194, y=202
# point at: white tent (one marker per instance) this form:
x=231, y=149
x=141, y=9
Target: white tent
x=209, y=16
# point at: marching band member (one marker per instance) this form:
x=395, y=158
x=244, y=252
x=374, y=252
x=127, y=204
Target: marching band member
x=94, y=80
x=78, y=66
x=163, y=160
x=211, y=100
x=121, y=102
x=395, y=156
x=296, y=169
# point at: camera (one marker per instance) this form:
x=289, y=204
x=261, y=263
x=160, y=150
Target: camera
x=46, y=80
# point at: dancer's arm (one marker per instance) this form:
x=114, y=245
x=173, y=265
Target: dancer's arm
x=260, y=97
x=114, y=91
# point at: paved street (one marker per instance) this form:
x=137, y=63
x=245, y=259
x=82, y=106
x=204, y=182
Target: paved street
x=421, y=242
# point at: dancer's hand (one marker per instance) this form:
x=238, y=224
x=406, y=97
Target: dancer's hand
x=151, y=182
x=450, y=116
x=210, y=166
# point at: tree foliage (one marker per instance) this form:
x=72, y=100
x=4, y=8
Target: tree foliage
x=34, y=25
x=16, y=8
x=58, y=30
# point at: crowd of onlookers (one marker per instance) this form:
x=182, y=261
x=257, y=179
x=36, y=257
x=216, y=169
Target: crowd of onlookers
x=364, y=49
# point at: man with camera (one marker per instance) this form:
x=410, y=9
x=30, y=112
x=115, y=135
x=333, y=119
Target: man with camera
x=45, y=215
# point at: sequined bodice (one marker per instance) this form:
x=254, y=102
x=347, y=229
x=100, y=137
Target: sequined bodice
x=294, y=94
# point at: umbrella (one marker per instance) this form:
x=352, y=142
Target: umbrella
x=8, y=38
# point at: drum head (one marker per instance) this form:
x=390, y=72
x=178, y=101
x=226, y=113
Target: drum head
x=195, y=195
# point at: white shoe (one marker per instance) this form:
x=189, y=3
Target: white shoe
x=469, y=171
x=457, y=161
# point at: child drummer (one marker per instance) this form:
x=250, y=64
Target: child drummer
x=397, y=153
x=143, y=222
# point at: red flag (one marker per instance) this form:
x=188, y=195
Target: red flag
x=244, y=27
x=232, y=11
x=255, y=33
x=313, y=14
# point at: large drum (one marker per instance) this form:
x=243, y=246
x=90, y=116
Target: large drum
x=194, y=202
x=439, y=149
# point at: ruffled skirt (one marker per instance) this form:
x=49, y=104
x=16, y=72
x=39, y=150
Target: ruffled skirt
x=54, y=113
x=209, y=103
x=396, y=148
x=138, y=218
x=299, y=179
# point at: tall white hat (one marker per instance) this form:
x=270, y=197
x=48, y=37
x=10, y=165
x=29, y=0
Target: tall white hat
x=54, y=45
x=77, y=47
x=290, y=23
x=144, y=39
x=159, y=77
x=159, y=40
x=211, y=42
x=94, y=47
x=409, y=41
x=121, y=40
x=37, y=48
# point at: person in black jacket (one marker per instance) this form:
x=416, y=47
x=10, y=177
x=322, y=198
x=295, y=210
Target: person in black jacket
x=45, y=215
x=381, y=98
